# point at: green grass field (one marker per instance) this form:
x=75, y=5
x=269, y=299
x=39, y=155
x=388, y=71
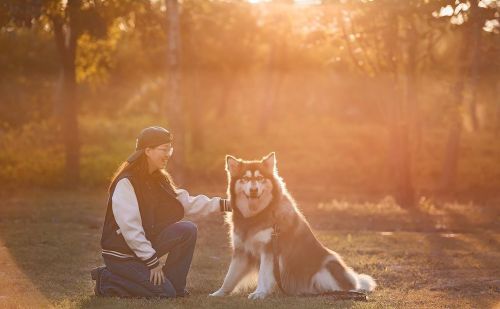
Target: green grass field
x=438, y=256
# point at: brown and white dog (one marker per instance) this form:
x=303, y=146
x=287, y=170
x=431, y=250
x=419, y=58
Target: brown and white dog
x=259, y=199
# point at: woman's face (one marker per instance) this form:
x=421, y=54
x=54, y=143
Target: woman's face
x=158, y=156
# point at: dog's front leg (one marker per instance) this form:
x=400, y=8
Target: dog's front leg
x=266, y=281
x=239, y=267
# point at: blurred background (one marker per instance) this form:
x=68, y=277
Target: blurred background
x=360, y=98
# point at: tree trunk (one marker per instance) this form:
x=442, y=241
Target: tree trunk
x=412, y=86
x=269, y=90
x=196, y=115
x=468, y=65
x=66, y=37
x=403, y=104
x=174, y=106
x=475, y=45
x=404, y=192
x=451, y=155
x=273, y=82
x=496, y=95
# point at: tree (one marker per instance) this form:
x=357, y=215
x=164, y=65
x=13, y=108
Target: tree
x=68, y=20
x=469, y=19
x=396, y=37
x=382, y=39
x=175, y=112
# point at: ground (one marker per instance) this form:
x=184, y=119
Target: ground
x=441, y=255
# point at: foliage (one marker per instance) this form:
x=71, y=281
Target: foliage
x=314, y=82
x=345, y=158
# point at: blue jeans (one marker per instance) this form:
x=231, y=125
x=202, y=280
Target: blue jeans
x=130, y=278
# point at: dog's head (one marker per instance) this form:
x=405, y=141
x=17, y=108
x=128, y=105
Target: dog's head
x=252, y=183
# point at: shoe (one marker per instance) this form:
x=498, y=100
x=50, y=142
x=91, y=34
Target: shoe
x=96, y=276
x=186, y=293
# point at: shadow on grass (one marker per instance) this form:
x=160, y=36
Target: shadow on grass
x=464, y=252
x=235, y=301
x=53, y=238
x=449, y=248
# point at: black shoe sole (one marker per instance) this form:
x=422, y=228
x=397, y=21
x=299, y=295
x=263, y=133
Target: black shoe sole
x=94, y=273
x=96, y=276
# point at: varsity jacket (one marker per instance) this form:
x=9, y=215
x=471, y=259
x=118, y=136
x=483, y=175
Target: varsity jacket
x=139, y=207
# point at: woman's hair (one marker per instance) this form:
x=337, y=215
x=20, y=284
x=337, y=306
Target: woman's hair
x=139, y=165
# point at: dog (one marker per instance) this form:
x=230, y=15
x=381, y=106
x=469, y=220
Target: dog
x=260, y=200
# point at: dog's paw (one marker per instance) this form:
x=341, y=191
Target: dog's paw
x=257, y=295
x=218, y=293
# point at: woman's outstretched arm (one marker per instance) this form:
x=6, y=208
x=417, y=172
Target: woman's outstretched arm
x=201, y=205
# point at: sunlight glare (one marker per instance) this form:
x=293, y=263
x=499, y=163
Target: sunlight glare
x=446, y=11
x=491, y=25
x=13, y=280
x=307, y=2
x=258, y=1
x=297, y=2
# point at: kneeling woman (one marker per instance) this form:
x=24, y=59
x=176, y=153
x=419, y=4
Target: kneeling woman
x=142, y=223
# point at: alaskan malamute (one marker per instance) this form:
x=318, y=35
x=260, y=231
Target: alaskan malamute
x=261, y=203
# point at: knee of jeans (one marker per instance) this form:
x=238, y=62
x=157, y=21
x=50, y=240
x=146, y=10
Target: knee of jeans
x=190, y=229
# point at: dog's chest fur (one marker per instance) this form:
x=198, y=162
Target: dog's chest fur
x=254, y=242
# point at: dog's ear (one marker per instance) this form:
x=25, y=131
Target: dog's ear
x=269, y=162
x=232, y=165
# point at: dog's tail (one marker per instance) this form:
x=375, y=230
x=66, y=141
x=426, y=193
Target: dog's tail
x=366, y=282
x=347, y=279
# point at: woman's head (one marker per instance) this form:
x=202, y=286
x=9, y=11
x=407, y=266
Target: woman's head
x=155, y=143
x=153, y=148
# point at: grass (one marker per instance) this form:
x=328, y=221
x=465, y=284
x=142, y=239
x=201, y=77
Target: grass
x=442, y=255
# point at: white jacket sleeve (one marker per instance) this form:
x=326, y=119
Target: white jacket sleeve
x=200, y=205
x=126, y=211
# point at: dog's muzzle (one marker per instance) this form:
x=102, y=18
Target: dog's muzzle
x=254, y=193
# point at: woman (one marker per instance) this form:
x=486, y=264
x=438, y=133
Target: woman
x=143, y=223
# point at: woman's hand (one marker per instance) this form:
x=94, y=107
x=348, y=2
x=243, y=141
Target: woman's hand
x=156, y=275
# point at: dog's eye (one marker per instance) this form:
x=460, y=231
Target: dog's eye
x=245, y=179
x=259, y=178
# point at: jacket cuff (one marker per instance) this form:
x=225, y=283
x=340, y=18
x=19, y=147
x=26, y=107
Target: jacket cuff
x=152, y=262
x=224, y=205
